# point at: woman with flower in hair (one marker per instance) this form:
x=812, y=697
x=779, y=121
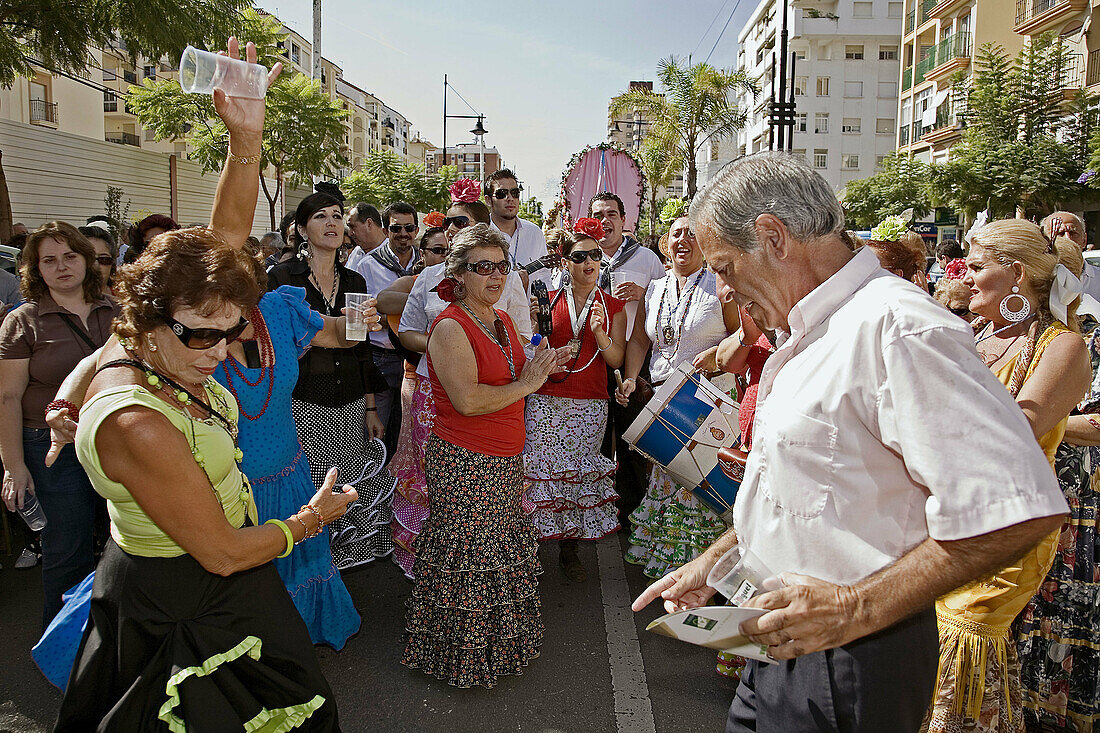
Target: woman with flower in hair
x=900, y=251
x=570, y=482
x=1025, y=291
x=474, y=611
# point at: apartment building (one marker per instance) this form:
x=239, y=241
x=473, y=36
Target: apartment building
x=629, y=130
x=419, y=150
x=467, y=158
x=845, y=84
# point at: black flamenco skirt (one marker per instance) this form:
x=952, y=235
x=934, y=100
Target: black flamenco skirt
x=170, y=646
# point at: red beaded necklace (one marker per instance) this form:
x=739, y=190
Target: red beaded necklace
x=267, y=357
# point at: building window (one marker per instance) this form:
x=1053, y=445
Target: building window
x=888, y=89
x=852, y=125
x=149, y=72
x=853, y=53
x=801, y=122
x=800, y=83
x=862, y=10
x=822, y=86
x=879, y=160
x=821, y=158
x=800, y=55
x=849, y=161
x=887, y=53
x=853, y=89
x=884, y=126
x=295, y=53
x=821, y=123
x=800, y=153
x=895, y=10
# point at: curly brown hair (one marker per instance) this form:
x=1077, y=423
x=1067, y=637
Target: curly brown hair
x=32, y=286
x=185, y=268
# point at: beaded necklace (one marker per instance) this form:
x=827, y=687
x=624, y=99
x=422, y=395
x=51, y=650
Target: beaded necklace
x=665, y=331
x=503, y=336
x=330, y=301
x=267, y=354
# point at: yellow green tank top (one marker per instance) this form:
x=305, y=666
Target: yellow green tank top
x=974, y=620
x=131, y=527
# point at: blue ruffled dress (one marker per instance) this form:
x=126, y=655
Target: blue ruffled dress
x=277, y=466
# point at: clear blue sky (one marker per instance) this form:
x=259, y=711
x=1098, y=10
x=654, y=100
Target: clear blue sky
x=541, y=72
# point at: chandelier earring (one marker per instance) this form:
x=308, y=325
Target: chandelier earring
x=1022, y=313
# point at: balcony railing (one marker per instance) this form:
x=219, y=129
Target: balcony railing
x=1092, y=76
x=926, y=10
x=123, y=138
x=907, y=79
x=923, y=67
x=43, y=111
x=910, y=21
x=953, y=47
x=1028, y=9
x=1071, y=75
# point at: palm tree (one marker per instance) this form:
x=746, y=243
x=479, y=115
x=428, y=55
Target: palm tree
x=660, y=162
x=694, y=109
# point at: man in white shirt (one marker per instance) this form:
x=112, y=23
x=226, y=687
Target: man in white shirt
x=367, y=231
x=866, y=492
x=1074, y=229
x=380, y=267
x=526, y=242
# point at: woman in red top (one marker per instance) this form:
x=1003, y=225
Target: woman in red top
x=571, y=483
x=474, y=611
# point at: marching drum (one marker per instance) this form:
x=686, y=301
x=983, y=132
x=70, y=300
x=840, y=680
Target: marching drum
x=683, y=428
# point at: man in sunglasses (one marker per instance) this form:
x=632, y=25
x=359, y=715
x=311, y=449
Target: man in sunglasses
x=526, y=242
x=380, y=267
x=367, y=231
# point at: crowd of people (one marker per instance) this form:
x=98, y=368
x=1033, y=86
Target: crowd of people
x=212, y=446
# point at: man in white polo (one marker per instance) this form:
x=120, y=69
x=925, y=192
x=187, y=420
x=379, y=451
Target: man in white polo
x=866, y=492
x=526, y=242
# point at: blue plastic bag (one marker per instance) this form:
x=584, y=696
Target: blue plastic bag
x=56, y=651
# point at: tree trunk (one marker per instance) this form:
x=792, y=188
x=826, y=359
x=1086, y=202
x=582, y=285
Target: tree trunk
x=5, y=204
x=653, y=214
x=692, y=170
x=270, y=202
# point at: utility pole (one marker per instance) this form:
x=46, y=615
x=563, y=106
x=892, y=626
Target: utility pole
x=316, y=39
x=781, y=111
x=444, y=119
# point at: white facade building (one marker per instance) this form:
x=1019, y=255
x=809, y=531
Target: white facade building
x=846, y=84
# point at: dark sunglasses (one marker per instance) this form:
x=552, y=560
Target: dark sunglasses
x=205, y=338
x=437, y=251
x=460, y=222
x=409, y=228
x=105, y=260
x=502, y=193
x=960, y=312
x=486, y=267
x=579, y=256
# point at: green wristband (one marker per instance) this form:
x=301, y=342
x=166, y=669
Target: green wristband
x=289, y=536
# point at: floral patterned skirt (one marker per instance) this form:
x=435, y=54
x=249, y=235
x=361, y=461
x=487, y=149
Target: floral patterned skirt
x=1001, y=711
x=569, y=482
x=1058, y=633
x=410, y=498
x=671, y=527
x=474, y=610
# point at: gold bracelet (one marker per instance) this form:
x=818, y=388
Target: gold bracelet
x=250, y=160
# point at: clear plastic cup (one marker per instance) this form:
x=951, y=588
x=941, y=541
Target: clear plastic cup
x=356, y=327
x=32, y=512
x=619, y=278
x=739, y=575
x=202, y=71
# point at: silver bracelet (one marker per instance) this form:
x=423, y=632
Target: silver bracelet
x=610, y=343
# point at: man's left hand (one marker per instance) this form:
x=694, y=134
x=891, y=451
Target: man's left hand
x=807, y=615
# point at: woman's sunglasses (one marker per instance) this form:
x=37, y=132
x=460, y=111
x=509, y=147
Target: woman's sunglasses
x=437, y=251
x=486, y=267
x=580, y=256
x=105, y=260
x=205, y=338
x=460, y=222
x=960, y=312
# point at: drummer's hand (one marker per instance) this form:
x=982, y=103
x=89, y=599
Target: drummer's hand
x=331, y=502
x=62, y=432
x=806, y=615
x=706, y=361
x=623, y=391
x=243, y=117
x=683, y=588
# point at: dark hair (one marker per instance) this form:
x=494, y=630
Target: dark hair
x=19, y=241
x=950, y=249
x=428, y=234
x=363, y=211
x=32, y=286
x=286, y=231
x=185, y=268
x=137, y=232
x=607, y=196
x=107, y=236
x=309, y=206
x=901, y=256
x=495, y=176
x=571, y=240
x=478, y=211
x=399, y=207
x=331, y=189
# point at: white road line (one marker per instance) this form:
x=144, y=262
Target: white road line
x=633, y=710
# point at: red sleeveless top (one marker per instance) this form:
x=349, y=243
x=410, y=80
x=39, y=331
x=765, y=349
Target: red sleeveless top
x=588, y=382
x=501, y=433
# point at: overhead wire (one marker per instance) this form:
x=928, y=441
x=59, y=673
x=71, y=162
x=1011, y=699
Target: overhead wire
x=719, y=38
x=707, y=31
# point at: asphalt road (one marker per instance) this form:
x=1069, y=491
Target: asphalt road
x=599, y=670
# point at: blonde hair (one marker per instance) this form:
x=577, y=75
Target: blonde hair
x=1017, y=240
x=949, y=289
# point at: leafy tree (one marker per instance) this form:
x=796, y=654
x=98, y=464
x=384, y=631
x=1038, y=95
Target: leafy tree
x=661, y=162
x=303, y=128
x=694, y=109
x=58, y=36
x=383, y=179
x=531, y=210
x=901, y=184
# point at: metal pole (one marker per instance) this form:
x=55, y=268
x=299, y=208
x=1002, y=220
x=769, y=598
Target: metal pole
x=316, y=39
x=482, y=155
x=444, y=122
x=790, y=138
x=771, y=109
x=783, y=135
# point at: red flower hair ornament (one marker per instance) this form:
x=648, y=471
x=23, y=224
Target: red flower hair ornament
x=589, y=227
x=465, y=191
x=433, y=219
x=955, y=269
x=449, y=290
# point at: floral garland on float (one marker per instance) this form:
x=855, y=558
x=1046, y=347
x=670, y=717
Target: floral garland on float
x=597, y=168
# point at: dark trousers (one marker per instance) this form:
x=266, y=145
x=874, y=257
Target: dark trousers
x=632, y=476
x=388, y=400
x=69, y=502
x=882, y=682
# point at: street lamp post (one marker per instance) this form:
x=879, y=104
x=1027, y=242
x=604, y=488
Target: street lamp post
x=635, y=123
x=479, y=130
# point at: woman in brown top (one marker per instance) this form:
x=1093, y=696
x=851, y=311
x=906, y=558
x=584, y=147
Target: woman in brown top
x=65, y=318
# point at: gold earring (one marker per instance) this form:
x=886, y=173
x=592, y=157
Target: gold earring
x=152, y=345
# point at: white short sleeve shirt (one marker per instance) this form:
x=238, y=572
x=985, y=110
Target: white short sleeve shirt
x=525, y=246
